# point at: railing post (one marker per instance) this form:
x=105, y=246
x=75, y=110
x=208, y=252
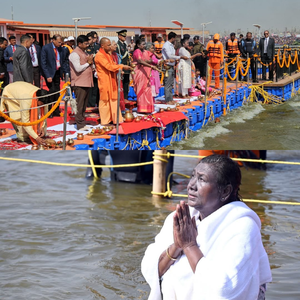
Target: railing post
x=67, y=96
x=159, y=173
x=118, y=106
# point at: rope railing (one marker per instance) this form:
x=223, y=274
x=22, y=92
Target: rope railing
x=163, y=158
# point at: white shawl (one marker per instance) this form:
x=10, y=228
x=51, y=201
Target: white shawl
x=234, y=265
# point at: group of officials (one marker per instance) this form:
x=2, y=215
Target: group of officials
x=91, y=68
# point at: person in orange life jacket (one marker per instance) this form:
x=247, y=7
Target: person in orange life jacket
x=69, y=44
x=232, y=50
x=248, y=46
x=158, y=46
x=216, y=58
x=29, y=111
x=81, y=78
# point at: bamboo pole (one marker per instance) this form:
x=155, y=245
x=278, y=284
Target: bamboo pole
x=159, y=173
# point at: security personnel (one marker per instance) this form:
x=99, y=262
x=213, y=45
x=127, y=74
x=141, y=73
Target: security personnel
x=232, y=50
x=248, y=46
x=159, y=45
x=216, y=57
x=122, y=49
x=198, y=48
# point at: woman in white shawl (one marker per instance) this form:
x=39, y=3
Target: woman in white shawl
x=185, y=77
x=211, y=247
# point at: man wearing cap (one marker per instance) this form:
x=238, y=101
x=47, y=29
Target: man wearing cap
x=215, y=53
x=69, y=44
x=198, y=48
x=232, y=50
x=159, y=45
x=22, y=90
x=107, y=81
x=124, y=53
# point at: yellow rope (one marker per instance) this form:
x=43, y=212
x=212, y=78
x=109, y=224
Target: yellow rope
x=79, y=165
x=168, y=155
x=6, y=117
x=169, y=193
x=92, y=164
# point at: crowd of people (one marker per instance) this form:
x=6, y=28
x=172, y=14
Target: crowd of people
x=93, y=67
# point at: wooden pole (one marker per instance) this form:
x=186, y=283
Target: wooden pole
x=159, y=173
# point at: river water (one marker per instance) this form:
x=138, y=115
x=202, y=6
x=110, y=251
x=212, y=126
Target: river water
x=66, y=237
x=252, y=126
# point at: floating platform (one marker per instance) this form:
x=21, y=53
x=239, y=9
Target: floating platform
x=161, y=129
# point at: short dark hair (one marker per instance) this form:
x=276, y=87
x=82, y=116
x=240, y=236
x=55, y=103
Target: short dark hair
x=90, y=34
x=171, y=35
x=227, y=172
x=24, y=38
x=249, y=32
x=12, y=37
x=43, y=93
x=56, y=36
x=2, y=40
x=94, y=32
x=82, y=38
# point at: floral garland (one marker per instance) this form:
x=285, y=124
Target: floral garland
x=158, y=121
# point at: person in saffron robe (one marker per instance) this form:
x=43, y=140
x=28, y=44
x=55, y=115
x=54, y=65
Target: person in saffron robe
x=118, y=60
x=142, y=78
x=107, y=80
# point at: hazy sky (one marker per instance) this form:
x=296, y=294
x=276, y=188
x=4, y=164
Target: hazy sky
x=226, y=15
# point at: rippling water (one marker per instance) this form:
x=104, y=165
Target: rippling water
x=66, y=237
x=252, y=126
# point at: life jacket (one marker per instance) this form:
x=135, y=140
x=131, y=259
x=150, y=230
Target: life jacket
x=70, y=48
x=214, y=49
x=232, y=47
x=248, y=46
x=34, y=116
x=158, y=46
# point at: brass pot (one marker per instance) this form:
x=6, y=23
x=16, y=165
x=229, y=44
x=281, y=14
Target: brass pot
x=35, y=147
x=70, y=142
x=80, y=136
x=128, y=116
x=41, y=147
x=161, y=110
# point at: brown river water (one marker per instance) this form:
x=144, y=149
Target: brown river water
x=66, y=237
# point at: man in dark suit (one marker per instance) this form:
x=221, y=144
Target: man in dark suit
x=123, y=51
x=54, y=65
x=3, y=69
x=267, y=52
x=8, y=56
x=22, y=62
x=35, y=54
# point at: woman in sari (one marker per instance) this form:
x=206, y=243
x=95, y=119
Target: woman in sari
x=155, y=81
x=142, y=78
x=118, y=60
x=185, y=71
